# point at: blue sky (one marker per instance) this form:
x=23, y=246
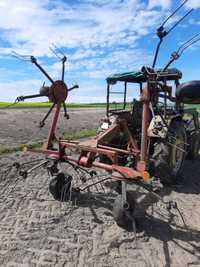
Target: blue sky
x=99, y=37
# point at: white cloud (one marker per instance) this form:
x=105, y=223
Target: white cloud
x=30, y=26
x=99, y=36
x=165, y=4
x=193, y=3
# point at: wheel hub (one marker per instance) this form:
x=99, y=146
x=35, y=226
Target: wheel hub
x=58, y=92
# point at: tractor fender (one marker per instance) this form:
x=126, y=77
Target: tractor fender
x=158, y=129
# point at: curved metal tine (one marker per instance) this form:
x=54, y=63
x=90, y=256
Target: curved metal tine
x=175, y=11
x=190, y=44
x=65, y=191
x=182, y=218
x=54, y=52
x=58, y=49
x=187, y=42
x=31, y=162
x=21, y=57
x=176, y=24
x=90, y=185
x=102, y=187
x=95, y=184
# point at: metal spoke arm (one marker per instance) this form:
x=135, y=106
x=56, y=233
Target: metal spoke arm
x=34, y=61
x=64, y=59
x=65, y=111
x=73, y=87
x=22, y=98
x=42, y=122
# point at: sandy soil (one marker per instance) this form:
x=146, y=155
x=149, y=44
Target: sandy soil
x=36, y=230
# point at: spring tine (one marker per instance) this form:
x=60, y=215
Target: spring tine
x=21, y=57
x=182, y=218
x=187, y=42
x=179, y=21
x=62, y=193
x=95, y=185
x=175, y=11
x=190, y=44
x=70, y=194
x=66, y=190
x=30, y=162
x=54, y=52
x=58, y=49
x=102, y=187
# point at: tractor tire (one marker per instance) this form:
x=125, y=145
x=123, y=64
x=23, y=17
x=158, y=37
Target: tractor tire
x=194, y=146
x=169, y=154
x=120, y=213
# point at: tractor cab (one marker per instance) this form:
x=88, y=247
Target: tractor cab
x=121, y=104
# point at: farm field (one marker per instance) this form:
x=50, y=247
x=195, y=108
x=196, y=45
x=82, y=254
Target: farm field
x=36, y=230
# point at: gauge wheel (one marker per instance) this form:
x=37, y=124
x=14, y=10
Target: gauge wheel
x=120, y=213
x=59, y=187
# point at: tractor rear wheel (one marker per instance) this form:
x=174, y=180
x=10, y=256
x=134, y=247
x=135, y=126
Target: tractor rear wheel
x=194, y=146
x=169, y=154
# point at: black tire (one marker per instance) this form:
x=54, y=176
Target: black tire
x=58, y=184
x=169, y=155
x=120, y=213
x=194, y=146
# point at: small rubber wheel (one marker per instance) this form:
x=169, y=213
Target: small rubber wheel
x=120, y=214
x=59, y=186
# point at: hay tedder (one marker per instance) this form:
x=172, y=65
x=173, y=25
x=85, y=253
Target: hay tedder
x=138, y=143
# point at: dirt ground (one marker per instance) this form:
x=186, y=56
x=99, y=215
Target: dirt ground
x=21, y=126
x=36, y=230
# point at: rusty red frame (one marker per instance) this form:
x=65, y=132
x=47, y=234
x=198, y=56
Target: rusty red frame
x=99, y=145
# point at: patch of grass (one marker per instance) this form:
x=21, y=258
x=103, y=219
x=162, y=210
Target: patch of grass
x=79, y=135
x=73, y=136
x=8, y=150
x=48, y=105
x=69, y=105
